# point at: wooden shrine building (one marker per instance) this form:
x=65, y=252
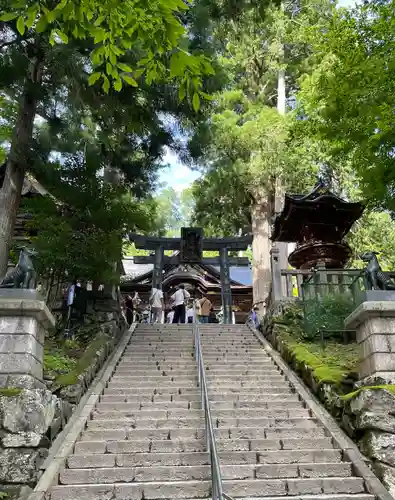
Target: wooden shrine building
x=199, y=279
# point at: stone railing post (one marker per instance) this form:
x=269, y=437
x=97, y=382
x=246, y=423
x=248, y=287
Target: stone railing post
x=374, y=322
x=276, y=274
x=24, y=320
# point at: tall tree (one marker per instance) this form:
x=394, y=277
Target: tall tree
x=246, y=141
x=50, y=48
x=348, y=97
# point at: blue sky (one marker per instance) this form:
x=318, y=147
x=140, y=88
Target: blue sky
x=178, y=175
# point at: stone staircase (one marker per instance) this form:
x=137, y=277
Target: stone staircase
x=146, y=439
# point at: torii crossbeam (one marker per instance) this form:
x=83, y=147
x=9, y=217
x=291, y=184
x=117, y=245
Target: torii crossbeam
x=191, y=246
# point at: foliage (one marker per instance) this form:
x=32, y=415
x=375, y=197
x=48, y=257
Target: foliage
x=58, y=363
x=353, y=394
x=326, y=312
x=374, y=231
x=348, y=97
x=10, y=392
x=71, y=377
x=84, y=237
x=153, y=30
x=332, y=363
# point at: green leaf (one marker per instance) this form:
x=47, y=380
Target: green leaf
x=108, y=68
x=42, y=24
x=196, y=102
x=51, y=16
x=208, y=97
x=117, y=85
x=106, y=84
x=100, y=35
x=30, y=19
x=181, y=92
x=125, y=67
x=131, y=81
x=8, y=16
x=62, y=36
x=20, y=25
x=94, y=77
x=61, y=5
x=113, y=59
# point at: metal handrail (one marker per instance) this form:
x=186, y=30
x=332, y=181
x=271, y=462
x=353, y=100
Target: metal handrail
x=216, y=477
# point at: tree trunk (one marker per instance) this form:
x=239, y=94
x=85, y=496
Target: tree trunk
x=281, y=108
x=10, y=193
x=260, y=215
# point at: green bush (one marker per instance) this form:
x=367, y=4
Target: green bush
x=326, y=313
x=57, y=362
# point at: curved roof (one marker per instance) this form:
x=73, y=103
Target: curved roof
x=324, y=213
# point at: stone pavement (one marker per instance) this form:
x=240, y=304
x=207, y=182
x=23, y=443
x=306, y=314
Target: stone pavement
x=146, y=440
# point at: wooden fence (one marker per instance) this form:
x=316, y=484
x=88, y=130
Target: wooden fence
x=303, y=283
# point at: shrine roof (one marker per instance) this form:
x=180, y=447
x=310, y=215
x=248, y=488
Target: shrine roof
x=138, y=273
x=133, y=270
x=320, y=210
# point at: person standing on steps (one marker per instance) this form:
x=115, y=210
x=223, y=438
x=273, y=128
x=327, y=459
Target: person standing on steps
x=178, y=298
x=191, y=314
x=205, y=308
x=129, y=310
x=136, y=302
x=157, y=305
x=170, y=316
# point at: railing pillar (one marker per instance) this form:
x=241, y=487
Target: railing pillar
x=276, y=274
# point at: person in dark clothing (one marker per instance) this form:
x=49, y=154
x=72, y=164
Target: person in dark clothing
x=212, y=318
x=179, y=298
x=129, y=310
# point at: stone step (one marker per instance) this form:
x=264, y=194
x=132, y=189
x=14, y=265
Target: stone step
x=210, y=376
x=226, y=385
x=290, y=445
x=202, y=472
x=201, y=489
x=261, y=390
x=88, y=461
x=100, y=414
x=126, y=368
x=128, y=404
x=233, y=433
x=193, y=423
x=102, y=460
x=136, y=402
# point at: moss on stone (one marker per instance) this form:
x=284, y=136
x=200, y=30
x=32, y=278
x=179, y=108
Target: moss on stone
x=353, y=394
x=331, y=363
x=83, y=363
x=10, y=392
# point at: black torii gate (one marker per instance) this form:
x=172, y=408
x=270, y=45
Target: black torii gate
x=191, y=246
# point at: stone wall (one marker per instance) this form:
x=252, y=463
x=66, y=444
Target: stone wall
x=25, y=422
x=366, y=414
x=30, y=419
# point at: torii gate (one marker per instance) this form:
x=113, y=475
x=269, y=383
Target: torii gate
x=191, y=246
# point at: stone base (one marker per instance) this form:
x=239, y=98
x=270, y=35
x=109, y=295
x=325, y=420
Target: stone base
x=23, y=324
x=374, y=323
x=25, y=419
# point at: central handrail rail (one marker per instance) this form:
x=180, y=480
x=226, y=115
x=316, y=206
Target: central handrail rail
x=216, y=477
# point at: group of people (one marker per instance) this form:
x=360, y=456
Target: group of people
x=184, y=309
